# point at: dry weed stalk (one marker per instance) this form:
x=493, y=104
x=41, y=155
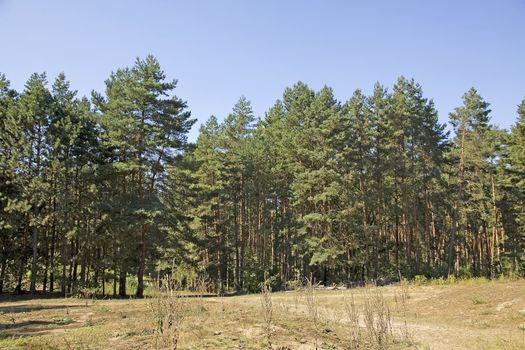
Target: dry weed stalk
x=378, y=319
x=267, y=308
x=203, y=285
x=312, y=307
x=402, y=308
x=296, y=297
x=168, y=308
x=353, y=317
x=311, y=301
x=283, y=307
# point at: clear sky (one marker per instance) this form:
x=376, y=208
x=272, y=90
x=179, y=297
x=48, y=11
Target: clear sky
x=220, y=50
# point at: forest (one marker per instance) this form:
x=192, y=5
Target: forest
x=106, y=192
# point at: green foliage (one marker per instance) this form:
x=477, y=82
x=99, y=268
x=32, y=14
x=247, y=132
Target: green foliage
x=106, y=194
x=256, y=275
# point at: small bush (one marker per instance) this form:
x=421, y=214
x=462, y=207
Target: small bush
x=293, y=284
x=420, y=280
x=465, y=273
x=63, y=321
x=478, y=301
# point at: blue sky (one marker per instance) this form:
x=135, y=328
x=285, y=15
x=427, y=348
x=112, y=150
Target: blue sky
x=220, y=50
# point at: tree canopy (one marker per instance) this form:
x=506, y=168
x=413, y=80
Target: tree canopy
x=106, y=192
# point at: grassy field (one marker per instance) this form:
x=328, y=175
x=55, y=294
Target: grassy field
x=466, y=315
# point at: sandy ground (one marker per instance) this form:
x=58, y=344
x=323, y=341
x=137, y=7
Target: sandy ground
x=460, y=316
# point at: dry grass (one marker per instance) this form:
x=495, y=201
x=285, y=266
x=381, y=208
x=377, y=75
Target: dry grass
x=488, y=315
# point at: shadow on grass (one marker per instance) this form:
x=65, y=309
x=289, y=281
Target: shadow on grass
x=16, y=309
x=25, y=324
x=31, y=328
x=26, y=296
x=5, y=297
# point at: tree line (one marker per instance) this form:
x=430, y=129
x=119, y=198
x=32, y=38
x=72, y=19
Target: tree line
x=98, y=192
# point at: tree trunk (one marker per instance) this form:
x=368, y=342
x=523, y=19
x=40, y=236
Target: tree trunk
x=21, y=268
x=3, y=269
x=63, y=282
x=32, y=287
x=122, y=284
x=74, y=279
x=52, y=261
x=140, y=273
x=103, y=282
x=455, y=219
x=115, y=283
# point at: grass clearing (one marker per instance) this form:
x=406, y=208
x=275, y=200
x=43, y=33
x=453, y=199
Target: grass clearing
x=489, y=315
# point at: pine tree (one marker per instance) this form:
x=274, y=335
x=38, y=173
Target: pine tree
x=513, y=202
x=369, y=189
x=144, y=131
x=74, y=156
x=474, y=211
x=33, y=113
x=10, y=189
x=208, y=219
x=236, y=132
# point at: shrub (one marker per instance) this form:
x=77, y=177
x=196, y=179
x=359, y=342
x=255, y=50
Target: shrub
x=420, y=280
